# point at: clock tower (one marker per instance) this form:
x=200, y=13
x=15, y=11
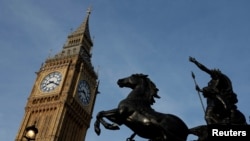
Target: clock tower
x=62, y=99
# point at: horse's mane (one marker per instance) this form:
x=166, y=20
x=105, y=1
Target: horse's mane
x=151, y=91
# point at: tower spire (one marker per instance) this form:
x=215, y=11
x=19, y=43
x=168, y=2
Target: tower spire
x=79, y=40
x=84, y=27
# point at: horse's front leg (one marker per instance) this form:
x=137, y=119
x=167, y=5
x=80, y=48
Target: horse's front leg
x=111, y=115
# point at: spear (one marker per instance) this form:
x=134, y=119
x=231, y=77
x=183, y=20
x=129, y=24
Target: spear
x=196, y=86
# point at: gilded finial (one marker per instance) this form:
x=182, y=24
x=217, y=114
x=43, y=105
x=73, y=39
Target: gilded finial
x=89, y=10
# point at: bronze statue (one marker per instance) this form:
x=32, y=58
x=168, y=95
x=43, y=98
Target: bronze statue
x=136, y=113
x=221, y=99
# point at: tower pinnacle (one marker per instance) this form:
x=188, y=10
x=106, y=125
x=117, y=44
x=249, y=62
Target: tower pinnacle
x=81, y=34
x=84, y=27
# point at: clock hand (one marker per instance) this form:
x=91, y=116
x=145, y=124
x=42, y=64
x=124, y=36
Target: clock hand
x=82, y=92
x=56, y=83
x=52, y=82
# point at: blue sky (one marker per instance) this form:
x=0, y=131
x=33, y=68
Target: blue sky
x=139, y=36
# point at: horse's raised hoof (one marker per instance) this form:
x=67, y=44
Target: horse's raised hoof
x=97, y=131
x=113, y=127
x=116, y=126
x=129, y=139
x=97, y=128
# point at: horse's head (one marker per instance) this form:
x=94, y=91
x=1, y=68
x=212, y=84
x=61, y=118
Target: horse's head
x=131, y=81
x=147, y=87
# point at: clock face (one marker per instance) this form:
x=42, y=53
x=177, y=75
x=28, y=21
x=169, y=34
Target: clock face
x=51, y=81
x=83, y=92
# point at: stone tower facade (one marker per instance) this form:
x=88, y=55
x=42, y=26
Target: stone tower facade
x=62, y=99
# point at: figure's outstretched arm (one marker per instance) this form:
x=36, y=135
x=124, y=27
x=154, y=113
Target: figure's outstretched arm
x=199, y=65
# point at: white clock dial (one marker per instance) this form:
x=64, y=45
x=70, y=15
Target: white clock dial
x=51, y=81
x=83, y=92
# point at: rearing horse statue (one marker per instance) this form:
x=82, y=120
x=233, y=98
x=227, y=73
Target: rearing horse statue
x=136, y=113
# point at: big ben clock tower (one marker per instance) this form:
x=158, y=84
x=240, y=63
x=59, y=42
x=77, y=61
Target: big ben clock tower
x=62, y=99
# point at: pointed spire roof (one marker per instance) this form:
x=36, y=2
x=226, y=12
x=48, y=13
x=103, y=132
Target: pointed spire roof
x=84, y=27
